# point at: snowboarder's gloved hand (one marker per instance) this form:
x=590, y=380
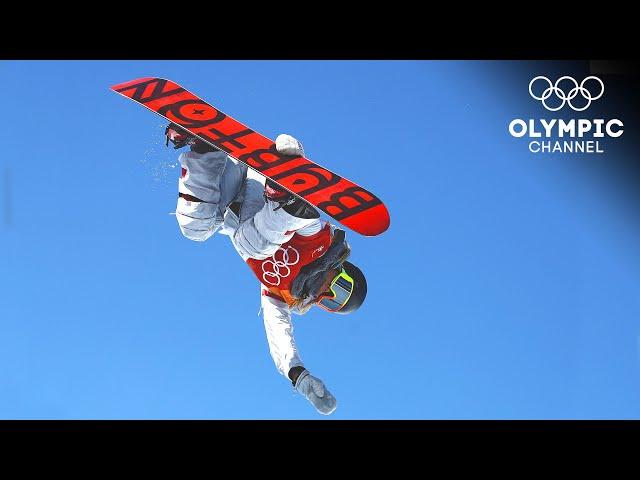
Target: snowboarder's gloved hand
x=288, y=145
x=314, y=390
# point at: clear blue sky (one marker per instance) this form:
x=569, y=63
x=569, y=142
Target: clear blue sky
x=506, y=287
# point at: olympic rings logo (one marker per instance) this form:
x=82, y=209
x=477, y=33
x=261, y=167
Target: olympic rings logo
x=554, y=89
x=273, y=270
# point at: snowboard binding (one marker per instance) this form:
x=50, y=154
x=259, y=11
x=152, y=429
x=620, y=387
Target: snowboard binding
x=178, y=136
x=181, y=138
x=276, y=193
x=288, y=201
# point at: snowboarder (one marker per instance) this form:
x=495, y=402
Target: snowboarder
x=300, y=260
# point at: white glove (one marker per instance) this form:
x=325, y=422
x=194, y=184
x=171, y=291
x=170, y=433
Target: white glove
x=288, y=145
x=314, y=390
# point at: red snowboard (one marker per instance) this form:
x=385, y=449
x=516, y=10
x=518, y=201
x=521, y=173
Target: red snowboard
x=348, y=203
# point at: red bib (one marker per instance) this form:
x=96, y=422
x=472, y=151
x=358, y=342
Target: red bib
x=278, y=271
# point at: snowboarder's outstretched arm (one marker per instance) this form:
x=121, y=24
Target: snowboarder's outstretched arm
x=279, y=329
x=282, y=346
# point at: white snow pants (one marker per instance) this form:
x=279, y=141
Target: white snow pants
x=218, y=181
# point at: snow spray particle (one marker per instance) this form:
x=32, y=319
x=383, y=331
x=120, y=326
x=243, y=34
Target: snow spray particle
x=160, y=161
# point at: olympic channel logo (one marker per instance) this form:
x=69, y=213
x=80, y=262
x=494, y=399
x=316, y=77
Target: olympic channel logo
x=555, y=90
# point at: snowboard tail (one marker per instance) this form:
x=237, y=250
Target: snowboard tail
x=341, y=199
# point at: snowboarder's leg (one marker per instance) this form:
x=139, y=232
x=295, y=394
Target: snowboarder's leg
x=208, y=184
x=273, y=224
x=253, y=195
x=280, y=216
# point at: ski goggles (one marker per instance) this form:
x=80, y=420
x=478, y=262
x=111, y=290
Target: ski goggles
x=339, y=292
